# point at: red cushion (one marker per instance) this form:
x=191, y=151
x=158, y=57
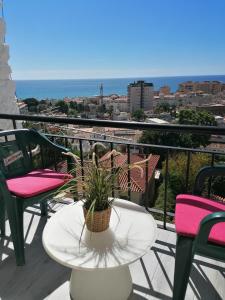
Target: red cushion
x=36, y=182
x=190, y=210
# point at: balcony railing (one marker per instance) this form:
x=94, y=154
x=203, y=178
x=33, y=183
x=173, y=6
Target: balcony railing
x=165, y=151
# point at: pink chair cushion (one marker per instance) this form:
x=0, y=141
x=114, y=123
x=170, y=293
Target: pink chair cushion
x=36, y=182
x=190, y=210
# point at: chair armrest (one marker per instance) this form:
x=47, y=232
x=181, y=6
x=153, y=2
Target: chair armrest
x=50, y=143
x=203, y=174
x=201, y=244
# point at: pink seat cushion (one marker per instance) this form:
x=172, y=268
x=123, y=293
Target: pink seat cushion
x=190, y=210
x=36, y=182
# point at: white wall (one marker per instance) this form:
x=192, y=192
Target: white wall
x=7, y=86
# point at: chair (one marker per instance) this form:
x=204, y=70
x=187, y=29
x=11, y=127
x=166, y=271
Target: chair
x=200, y=227
x=27, y=160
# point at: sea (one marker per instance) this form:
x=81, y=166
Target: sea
x=59, y=89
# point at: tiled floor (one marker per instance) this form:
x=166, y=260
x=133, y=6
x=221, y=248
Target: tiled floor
x=42, y=278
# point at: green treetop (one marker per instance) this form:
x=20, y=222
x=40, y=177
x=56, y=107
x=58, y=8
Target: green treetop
x=138, y=115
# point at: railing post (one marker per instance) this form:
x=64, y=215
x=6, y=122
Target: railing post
x=210, y=178
x=14, y=123
x=128, y=173
x=146, y=181
x=112, y=168
x=66, y=142
x=81, y=159
x=165, y=193
x=188, y=170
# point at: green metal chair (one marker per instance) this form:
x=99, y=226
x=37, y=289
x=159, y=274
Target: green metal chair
x=200, y=227
x=28, y=175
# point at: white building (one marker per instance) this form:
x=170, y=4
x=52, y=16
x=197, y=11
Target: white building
x=220, y=121
x=140, y=96
x=182, y=99
x=121, y=116
x=7, y=86
x=119, y=103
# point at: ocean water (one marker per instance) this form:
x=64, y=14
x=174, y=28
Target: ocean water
x=58, y=89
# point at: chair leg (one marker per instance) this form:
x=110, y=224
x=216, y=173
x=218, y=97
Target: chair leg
x=15, y=216
x=2, y=217
x=44, y=208
x=183, y=263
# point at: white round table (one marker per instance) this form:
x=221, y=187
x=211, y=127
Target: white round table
x=99, y=261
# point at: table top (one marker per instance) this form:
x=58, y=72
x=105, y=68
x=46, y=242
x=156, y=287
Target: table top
x=131, y=233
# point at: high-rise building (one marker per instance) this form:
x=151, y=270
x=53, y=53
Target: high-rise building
x=7, y=86
x=140, y=96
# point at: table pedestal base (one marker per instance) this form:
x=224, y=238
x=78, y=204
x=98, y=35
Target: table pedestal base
x=110, y=284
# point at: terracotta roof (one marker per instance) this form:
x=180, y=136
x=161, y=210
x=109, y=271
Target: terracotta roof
x=138, y=182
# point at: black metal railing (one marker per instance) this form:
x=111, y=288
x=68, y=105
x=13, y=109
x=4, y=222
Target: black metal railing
x=195, y=129
x=144, y=149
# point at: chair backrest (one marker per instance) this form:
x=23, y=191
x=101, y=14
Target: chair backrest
x=24, y=150
x=209, y=172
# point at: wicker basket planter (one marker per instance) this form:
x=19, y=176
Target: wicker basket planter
x=98, y=221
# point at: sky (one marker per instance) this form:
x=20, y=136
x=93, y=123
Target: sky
x=74, y=39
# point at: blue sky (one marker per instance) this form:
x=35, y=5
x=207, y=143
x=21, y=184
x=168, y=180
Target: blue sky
x=115, y=38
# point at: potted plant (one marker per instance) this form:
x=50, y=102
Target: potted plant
x=92, y=184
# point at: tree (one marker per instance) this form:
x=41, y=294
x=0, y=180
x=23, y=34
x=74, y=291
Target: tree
x=201, y=118
x=31, y=101
x=138, y=115
x=192, y=117
x=72, y=113
x=43, y=102
x=189, y=117
x=177, y=177
x=42, y=107
x=73, y=105
x=166, y=107
x=162, y=107
x=32, y=104
x=33, y=108
x=62, y=106
x=110, y=111
x=80, y=107
x=168, y=139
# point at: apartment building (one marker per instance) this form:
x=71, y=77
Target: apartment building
x=140, y=96
x=118, y=104
x=210, y=87
x=165, y=90
x=215, y=109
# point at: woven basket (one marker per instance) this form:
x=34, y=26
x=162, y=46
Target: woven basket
x=98, y=221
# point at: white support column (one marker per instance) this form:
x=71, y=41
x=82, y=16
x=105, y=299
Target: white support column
x=7, y=86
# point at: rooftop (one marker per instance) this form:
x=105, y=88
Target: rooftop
x=138, y=180
x=156, y=121
x=140, y=82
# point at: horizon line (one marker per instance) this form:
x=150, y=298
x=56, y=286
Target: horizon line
x=108, y=78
